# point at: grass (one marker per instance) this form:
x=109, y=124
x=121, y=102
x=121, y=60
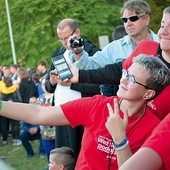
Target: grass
x=15, y=155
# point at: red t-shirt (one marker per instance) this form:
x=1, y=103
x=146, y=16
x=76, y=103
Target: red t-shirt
x=159, y=141
x=96, y=147
x=161, y=105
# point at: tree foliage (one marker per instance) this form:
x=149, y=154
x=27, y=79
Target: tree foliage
x=157, y=9
x=34, y=25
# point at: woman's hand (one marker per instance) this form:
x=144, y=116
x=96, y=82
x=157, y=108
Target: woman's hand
x=115, y=124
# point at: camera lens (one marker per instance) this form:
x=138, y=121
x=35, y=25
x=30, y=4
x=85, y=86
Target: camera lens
x=77, y=42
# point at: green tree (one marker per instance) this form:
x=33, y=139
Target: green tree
x=34, y=25
x=157, y=9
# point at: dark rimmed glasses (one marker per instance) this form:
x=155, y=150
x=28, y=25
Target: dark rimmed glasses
x=66, y=38
x=132, y=18
x=131, y=79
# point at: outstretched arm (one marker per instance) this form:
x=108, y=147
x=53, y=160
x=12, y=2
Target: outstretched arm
x=110, y=74
x=34, y=114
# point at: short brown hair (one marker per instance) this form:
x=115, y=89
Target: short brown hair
x=64, y=156
x=8, y=81
x=36, y=77
x=42, y=62
x=137, y=6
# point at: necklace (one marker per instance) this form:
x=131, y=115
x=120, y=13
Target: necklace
x=136, y=121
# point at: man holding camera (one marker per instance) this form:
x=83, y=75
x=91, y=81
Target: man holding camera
x=65, y=135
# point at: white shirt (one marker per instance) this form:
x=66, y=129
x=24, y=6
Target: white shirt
x=64, y=94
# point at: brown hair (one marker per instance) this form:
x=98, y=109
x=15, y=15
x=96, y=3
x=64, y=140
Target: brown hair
x=137, y=6
x=64, y=156
x=8, y=81
x=22, y=73
x=42, y=62
x=36, y=77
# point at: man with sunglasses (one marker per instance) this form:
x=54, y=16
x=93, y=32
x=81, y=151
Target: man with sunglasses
x=136, y=15
x=65, y=135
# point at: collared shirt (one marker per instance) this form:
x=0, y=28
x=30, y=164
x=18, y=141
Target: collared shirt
x=114, y=52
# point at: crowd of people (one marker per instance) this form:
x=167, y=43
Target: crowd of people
x=23, y=86
x=92, y=130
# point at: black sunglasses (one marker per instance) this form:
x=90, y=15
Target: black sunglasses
x=132, y=18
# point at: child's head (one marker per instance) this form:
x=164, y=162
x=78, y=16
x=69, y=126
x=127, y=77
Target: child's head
x=61, y=159
x=8, y=81
x=35, y=77
x=33, y=100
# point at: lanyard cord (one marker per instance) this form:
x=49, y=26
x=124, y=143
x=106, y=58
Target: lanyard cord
x=110, y=155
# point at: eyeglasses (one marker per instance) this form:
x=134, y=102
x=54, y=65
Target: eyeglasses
x=132, y=18
x=66, y=38
x=131, y=79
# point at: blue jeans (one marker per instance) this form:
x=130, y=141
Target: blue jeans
x=26, y=137
x=48, y=146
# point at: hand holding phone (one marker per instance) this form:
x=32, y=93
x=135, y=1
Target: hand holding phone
x=54, y=72
x=62, y=67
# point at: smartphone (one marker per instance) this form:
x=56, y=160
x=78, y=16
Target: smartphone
x=62, y=67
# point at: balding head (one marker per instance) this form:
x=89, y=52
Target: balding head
x=68, y=22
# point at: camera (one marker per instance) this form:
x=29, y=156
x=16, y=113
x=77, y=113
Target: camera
x=77, y=42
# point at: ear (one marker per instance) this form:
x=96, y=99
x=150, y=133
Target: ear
x=78, y=31
x=149, y=94
x=148, y=18
x=61, y=167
